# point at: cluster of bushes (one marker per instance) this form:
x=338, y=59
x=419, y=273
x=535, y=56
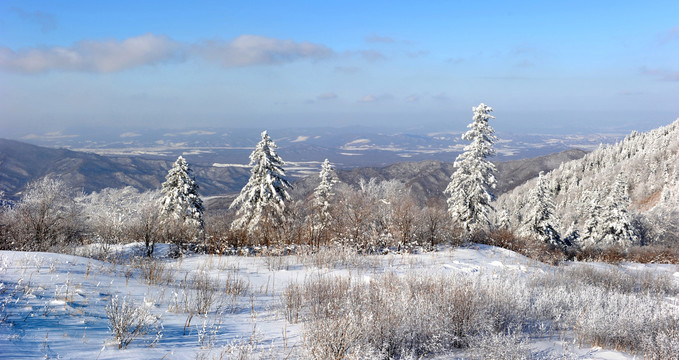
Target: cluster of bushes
x=52, y=217
x=371, y=218
x=492, y=316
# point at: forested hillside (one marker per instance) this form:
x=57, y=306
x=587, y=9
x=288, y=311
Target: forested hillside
x=635, y=180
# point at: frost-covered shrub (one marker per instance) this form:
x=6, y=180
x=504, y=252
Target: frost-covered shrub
x=664, y=343
x=394, y=317
x=616, y=280
x=607, y=308
x=490, y=315
x=128, y=322
x=114, y=216
x=45, y=218
x=500, y=346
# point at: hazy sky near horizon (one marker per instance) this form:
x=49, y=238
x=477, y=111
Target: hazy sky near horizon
x=544, y=66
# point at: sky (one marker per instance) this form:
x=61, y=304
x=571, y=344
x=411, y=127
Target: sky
x=544, y=66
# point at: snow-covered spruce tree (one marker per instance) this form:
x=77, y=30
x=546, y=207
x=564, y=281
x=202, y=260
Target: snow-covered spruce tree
x=322, y=197
x=181, y=209
x=591, y=233
x=469, y=194
x=540, y=219
x=261, y=203
x=609, y=223
x=618, y=225
x=504, y=221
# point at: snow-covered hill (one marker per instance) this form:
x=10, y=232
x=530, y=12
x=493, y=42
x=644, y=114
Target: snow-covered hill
x=212, y=307
x=647, y=165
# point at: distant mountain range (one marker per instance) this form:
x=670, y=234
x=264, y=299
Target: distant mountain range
x=22, y=163
x=305, y=148
x=428, y=179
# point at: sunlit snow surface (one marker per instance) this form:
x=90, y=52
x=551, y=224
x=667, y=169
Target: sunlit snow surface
x=54, y=305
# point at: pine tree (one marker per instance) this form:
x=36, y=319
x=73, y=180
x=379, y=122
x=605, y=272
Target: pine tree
x=591, y=234
x=181, y=207
x=504, y=221
x=262, y=200
x=618, y=228
x=323, y=192
x=540, y=219
x=322, y=197
x=469, y=202
x=609, y=223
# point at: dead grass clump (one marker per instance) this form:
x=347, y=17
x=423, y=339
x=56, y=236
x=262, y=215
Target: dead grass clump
x=153, y=271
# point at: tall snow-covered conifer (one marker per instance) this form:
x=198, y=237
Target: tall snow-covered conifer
x=321, y=217
x=609, y=223
x=323, y=192
x=469, y=189
x=591, y=233
x=540, y=219
x=618, y=225
x=263, y=198
x=181, y=206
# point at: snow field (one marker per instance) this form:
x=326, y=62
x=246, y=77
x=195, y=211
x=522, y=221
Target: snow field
x=473, y=302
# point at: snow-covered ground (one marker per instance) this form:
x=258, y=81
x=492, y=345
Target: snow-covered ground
x=208, y=306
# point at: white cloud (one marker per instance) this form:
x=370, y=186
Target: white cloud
x=248, y=50
x=115, y=55
x=372, y=55
x=92, y=56
x=327, y=96
x=375, y=98
x=417, y=54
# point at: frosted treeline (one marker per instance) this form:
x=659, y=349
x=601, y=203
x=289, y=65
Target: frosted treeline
x=621, y=194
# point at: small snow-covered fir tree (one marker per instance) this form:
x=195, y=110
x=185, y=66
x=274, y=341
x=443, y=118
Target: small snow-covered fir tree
x=181, y=207
x=323, y=192
x=262, y=199
x=540, y=219
x=504, y=221
x=469, y=191
x=321, y=202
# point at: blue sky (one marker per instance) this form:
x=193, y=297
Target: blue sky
x=573, y=66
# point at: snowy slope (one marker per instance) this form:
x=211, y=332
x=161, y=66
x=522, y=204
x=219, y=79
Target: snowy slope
x=645, y=162
x=54, y=306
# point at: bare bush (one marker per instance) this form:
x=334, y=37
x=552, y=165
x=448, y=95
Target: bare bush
x=500, y=346
x=491, y=315
x=45, y=218
x=393, y=317
x=619, y=281
x=153, y=271
x=337, y=257
x=128, y=322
